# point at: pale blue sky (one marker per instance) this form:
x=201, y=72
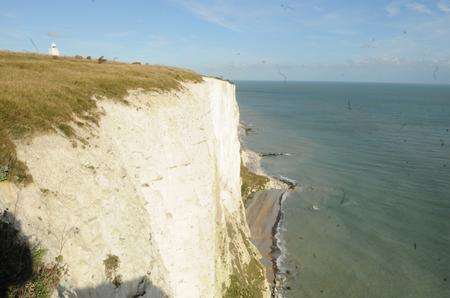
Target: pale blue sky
x=379, y=40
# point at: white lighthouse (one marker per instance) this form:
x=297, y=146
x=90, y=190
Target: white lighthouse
x=53, y=51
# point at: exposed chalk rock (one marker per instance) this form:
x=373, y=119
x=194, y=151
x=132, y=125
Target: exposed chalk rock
x=156, y=185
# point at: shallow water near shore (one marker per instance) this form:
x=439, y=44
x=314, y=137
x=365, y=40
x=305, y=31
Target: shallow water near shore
x=374, y=159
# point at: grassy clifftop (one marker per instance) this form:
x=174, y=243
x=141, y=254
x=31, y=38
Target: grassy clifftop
x=39, y=93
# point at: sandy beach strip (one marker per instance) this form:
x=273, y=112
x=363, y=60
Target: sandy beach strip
x=262, y=213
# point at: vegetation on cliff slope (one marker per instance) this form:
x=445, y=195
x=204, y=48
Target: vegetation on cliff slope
x=39, y=94
x=251, y=182
x=111, y=264
x=247, y=279
x=246, y=283
x=23, y=273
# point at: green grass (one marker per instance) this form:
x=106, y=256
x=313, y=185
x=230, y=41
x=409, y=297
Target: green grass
x=41, y=94
x=22, y=269
x=247, y=284
x=247, y=280
x=67, y=130
x=251, y=182
x=253, y=272
x=44, y=280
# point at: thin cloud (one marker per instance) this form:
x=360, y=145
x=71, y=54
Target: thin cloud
x=418, y=7
x=119, y=34
x=237, y=15
x=157, y=42
x=380, y=60
x=215, y=14
x=444, y=7
x=7, y=15
x=53, y=34
x=392, y=9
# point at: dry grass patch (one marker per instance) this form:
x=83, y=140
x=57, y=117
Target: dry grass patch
x=111, y=264
x=41, y=94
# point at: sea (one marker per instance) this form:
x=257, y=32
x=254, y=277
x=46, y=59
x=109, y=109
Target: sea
x=371, y=214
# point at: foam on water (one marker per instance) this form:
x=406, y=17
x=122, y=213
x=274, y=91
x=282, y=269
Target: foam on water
x=280, y=255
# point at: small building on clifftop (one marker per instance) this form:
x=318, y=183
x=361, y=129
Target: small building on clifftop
x=53, y=51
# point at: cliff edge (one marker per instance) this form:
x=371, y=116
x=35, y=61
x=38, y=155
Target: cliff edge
x=144, y=203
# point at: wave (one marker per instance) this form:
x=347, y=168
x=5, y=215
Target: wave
x=279, y=251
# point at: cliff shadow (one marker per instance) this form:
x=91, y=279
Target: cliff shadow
x=16, y=261
x=139, y=287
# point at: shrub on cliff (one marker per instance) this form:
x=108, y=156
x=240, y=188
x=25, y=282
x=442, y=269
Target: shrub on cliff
x=251, y=182
x=111, y=264
x=44, y=280
x=22, y=270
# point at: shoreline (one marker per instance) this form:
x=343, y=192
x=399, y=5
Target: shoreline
x=277, y=249
x=264, y=213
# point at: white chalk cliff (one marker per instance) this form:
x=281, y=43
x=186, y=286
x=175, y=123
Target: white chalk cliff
x=156, y=184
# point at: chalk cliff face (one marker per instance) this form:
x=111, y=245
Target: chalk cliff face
x=155, y=187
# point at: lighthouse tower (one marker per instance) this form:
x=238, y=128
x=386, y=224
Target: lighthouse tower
x=53, y=51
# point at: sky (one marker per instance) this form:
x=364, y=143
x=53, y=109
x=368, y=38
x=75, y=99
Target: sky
x=311, y=40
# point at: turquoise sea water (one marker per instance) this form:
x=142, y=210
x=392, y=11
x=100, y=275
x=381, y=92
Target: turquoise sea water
x=375, y=160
